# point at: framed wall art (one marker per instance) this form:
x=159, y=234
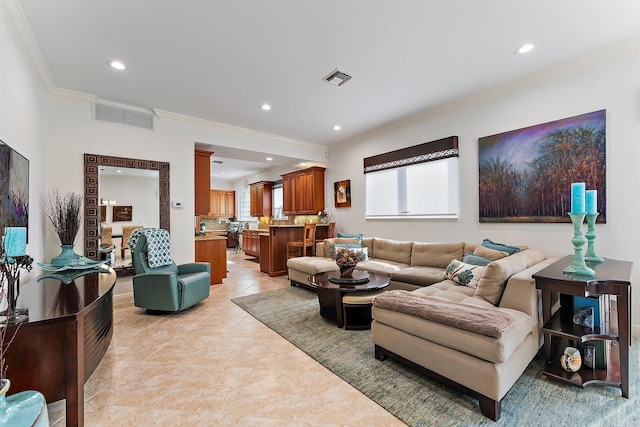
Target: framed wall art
x=525, y=175
x=342, y=193
x=122, y=213
x=14, y=188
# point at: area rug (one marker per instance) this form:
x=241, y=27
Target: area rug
x=418, y=401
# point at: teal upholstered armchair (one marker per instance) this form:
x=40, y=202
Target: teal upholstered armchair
x=167, y=287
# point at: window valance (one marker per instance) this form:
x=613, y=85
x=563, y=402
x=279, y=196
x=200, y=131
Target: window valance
x=421, y=153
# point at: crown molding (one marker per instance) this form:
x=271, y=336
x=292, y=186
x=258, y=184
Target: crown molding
x=194, y=121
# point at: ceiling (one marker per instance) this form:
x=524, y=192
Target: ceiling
x=221, y=60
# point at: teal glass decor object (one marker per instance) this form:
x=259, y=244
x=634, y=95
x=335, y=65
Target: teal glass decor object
x=27, y=408
x=579, y=265
x=66, y=257
x=591, y=237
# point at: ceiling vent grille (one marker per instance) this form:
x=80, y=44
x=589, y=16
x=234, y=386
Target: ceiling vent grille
x=124, y=116
x=337, y=77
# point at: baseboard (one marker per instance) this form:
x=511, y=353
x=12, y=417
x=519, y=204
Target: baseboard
x=123, y=298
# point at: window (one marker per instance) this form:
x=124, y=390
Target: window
x=278, y=200
x=244, y=206
x=415, y=182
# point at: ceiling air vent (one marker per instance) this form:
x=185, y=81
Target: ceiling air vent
x=124, y=116
x=337, y=77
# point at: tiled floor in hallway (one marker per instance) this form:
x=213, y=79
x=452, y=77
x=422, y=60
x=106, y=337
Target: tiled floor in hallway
x=215, y=365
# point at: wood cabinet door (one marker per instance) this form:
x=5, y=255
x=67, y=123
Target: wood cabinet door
x=202, y=182
x=230, y=204
x=288, y=195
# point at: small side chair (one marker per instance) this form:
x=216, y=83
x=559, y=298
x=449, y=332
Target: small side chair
x=309, y=241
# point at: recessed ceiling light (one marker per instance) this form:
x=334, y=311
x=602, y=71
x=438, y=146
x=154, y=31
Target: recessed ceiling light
x=269, y=159
x=337, y=127
x=119, y=171
x=524, y=48
x=118, y=65
x=266, y=107
x=302, y=163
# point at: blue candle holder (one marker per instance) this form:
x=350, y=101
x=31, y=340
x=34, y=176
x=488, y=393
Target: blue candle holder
x=591, y=237
x=579, y=266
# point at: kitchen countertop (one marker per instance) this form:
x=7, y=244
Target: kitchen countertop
x=211, y=237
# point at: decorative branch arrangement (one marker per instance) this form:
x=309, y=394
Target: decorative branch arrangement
x=65, y=214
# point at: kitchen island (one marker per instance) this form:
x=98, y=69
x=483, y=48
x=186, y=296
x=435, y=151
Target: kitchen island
x=212, y=248
x=274, y=262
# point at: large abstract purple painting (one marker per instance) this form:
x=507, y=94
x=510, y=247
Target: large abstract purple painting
x=526, y=174
x=14, y=188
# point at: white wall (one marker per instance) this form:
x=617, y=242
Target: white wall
x=23, y=123
x=605, y=80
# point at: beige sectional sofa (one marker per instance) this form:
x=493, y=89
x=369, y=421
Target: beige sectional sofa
x=478, y=338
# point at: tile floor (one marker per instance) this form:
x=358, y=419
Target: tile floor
x=215, y=365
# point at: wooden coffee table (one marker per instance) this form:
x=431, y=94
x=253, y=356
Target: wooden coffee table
x=330, y=293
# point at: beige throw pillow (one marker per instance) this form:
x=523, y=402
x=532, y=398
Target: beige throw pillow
x=465, y=274
x=489, y=253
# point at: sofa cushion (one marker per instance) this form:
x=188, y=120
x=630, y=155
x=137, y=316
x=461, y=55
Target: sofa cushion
x=381, y=266
x=465, y=274
x=329, y=250
x=422, y=276
x=436, y=254
x=489, y=253
x=491, y=285
x=312, y=265
x=392, y=250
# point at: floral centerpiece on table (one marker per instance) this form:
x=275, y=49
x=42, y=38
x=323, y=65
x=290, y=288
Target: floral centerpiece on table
x=347, y=259
x=64, y=212
x=324, y=215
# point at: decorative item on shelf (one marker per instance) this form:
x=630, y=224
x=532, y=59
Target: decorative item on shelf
x=347, y=261
x=64, y=211
x=577, y=214
x=324, y=216
x=592, y=214
x=13, y=259
x=571, y=360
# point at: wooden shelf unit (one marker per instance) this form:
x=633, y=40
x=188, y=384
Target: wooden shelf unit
x=612, y=279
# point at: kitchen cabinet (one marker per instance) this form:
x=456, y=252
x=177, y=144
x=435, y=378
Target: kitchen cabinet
x=303, y=191
x=213, y=249
x=202, y=181
x=223, y=204
x=251, y=242
x=261, y=194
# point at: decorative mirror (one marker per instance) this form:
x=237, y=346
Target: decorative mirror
x=92, y=207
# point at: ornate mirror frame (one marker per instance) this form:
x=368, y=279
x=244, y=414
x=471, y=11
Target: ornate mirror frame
x=92, y=163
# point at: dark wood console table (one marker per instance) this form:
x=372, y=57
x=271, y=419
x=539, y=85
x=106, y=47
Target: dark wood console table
x=69, y=329
x=613, y=278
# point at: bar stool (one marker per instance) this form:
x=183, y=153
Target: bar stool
x=309, y=239
x=331, y=232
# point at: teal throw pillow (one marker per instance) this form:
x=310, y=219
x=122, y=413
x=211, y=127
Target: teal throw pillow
x=500, y=247
x=470, y=258
x=353, y=247
x=357, y=236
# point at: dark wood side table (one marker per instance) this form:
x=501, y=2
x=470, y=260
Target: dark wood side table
x=612, y=278
x=68, y=331
x=330, y=293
